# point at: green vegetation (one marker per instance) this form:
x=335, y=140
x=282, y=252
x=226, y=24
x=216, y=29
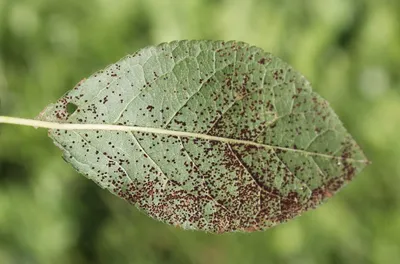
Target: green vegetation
x=349, y=50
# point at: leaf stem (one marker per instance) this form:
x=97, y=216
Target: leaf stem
x=174, y=133
x=26, y=122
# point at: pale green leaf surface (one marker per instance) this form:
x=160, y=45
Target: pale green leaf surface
x=232, y=138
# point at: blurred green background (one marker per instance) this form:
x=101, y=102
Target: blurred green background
x=349, y=50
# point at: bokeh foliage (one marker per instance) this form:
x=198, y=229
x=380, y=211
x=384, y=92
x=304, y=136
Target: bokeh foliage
x=349, y=50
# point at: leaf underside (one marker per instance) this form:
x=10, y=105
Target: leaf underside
x=259, y=148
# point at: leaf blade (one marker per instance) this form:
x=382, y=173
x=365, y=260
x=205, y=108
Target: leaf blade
x=232, y=138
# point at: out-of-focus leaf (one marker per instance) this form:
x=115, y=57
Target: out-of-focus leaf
x=226, y=138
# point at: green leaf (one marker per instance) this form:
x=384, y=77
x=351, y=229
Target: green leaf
x=220, y=136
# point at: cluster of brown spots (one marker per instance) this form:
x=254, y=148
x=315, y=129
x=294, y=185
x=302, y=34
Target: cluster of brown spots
x=263, y=60
x=150, y=108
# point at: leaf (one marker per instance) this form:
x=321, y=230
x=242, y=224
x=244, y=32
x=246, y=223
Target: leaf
x=219, y=136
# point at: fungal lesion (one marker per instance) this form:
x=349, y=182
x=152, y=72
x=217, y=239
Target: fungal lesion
x=63, y=109
x=66, y=106
x=60, y=111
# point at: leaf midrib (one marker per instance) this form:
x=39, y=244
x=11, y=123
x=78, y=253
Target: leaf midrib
x=161, y=131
